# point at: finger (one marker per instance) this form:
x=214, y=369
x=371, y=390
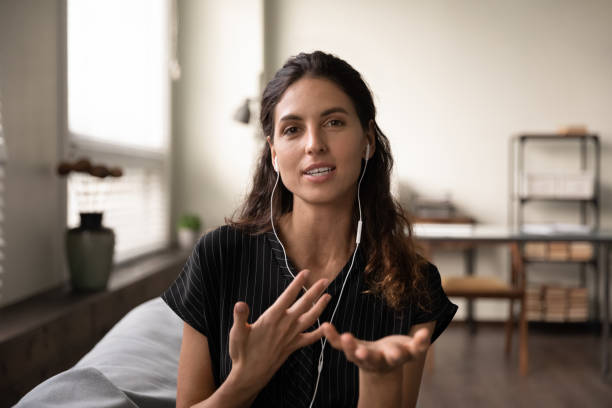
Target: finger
x=307, y=338
x=286, y=299
x=345, y=342
x=240, y=328
x=422, y=340
x=408, y=349
x=397, y=353
x=370, y=358
x=308, y=318
x=308, y=299
x=350, y=346
x=331, y=334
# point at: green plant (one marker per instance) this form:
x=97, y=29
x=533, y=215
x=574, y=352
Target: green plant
x=190, y=221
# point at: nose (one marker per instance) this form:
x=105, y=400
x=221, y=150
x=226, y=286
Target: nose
x=315, y=141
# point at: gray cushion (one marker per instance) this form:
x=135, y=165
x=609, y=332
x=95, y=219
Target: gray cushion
x=134, y=365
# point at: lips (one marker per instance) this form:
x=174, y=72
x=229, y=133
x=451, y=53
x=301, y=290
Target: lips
x=319, y=171
x=319, y=168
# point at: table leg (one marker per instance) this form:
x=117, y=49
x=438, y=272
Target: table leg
x=605, y=333
x=596, y=282
x=469, y=269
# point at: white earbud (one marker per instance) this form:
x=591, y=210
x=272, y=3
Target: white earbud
x=276, y=164
x=367, y=156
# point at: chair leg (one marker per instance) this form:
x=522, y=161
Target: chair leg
x=523, y=350
x=509, y=328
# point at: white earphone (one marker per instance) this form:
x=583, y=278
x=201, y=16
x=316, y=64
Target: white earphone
x=357, y=241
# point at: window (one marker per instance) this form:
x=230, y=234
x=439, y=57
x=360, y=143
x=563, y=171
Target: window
x=118, y=113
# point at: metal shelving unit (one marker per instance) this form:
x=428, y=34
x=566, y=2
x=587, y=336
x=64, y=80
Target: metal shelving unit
x=587, y=206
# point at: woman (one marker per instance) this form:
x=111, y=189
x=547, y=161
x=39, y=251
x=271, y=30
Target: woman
x=256, y=331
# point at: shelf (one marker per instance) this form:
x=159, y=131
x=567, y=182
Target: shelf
x=555, y=306
x=557, y=136
x=583, y=200
x=522, y=182
x=585, y=321
x=558, y=261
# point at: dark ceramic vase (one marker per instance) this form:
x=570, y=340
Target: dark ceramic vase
x=90, y=248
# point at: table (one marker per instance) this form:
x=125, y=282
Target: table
x=481, y=234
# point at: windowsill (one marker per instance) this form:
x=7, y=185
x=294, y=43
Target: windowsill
x=45, y=307
x=48, y=333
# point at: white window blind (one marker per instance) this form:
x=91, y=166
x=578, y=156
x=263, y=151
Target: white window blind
x=135, y=206
x=118, y=91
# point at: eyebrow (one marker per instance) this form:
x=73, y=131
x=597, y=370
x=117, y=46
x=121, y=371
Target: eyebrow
x=324, y=113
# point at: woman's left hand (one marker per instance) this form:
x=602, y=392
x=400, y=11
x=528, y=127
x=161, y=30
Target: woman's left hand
x=380, y=356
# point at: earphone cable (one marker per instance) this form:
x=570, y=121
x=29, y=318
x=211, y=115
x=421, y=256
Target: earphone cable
x=357, y=241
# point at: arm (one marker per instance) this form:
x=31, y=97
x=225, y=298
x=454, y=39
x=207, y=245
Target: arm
x=413, y=372
x=257, y=350
x=195, y=383
x=398, y=387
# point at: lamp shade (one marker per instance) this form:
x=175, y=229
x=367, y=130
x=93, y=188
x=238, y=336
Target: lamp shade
x=243, y=113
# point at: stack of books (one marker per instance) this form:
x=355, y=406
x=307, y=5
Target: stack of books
x=536, y=250
x=581, y=251
x=559, y=251
x=533, y=303
x=578, y=305
x=555, y=304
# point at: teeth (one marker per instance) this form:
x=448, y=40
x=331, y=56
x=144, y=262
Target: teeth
x=319, y=171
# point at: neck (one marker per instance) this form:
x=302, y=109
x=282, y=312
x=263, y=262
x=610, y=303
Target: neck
x=319, y=238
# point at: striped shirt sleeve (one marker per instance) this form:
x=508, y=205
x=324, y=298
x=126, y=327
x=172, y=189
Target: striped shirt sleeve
x=441, y=309
x=189, y=296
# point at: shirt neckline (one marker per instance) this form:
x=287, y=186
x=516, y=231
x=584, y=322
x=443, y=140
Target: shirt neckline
x=335, y=286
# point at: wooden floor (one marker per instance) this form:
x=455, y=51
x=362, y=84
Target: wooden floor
x=472, y=371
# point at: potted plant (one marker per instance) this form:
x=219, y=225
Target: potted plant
x=90, y=246
x=189, y=226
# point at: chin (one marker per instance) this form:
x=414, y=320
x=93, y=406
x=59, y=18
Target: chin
x=325, y=198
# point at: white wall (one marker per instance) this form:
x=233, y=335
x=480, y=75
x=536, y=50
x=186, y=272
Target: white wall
x=221, y=55
x=29, y=57
x=453, y=81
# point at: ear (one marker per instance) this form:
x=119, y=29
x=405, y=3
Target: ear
x=272, y=151
x=370, y=135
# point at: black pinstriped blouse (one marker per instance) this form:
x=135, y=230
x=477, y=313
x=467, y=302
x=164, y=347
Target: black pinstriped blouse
x=227, y=266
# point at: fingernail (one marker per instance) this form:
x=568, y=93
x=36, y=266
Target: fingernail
x=240, y=308
x=305, y=272
x=325, y=282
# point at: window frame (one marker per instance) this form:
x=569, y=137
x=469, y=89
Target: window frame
x=73, y=145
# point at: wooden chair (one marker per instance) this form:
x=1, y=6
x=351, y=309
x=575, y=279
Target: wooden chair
x=473, y=287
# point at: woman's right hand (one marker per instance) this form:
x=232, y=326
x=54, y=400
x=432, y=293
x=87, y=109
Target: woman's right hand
x=259, y=349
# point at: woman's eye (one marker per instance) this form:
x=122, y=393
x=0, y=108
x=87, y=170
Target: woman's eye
x=290, y=130
x=335, y=122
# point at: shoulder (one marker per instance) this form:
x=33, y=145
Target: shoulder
x=432, y=275
x=219, y=237
x=431, y=284
x=224, y=240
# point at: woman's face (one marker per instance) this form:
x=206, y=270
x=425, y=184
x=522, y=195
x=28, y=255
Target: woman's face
x=319, y=142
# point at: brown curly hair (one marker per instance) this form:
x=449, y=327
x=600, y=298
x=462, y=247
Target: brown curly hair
x=394, y=270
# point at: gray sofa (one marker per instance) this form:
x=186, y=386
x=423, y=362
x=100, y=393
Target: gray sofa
x=134, y=365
